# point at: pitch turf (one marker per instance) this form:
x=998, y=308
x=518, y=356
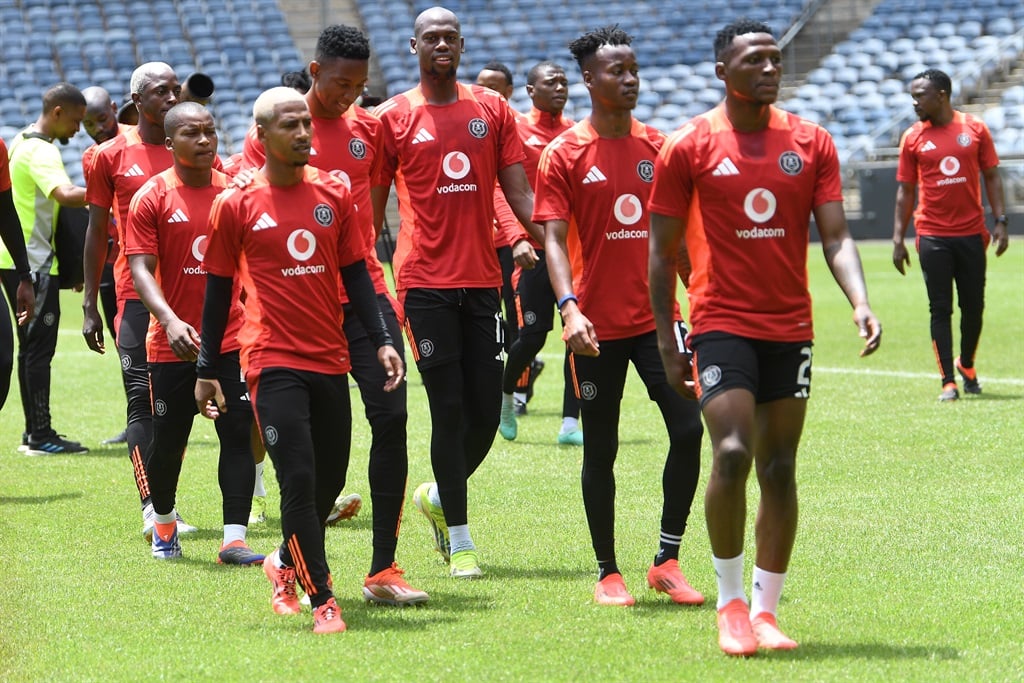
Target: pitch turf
x=907, y=566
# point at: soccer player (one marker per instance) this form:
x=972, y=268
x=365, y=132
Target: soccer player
x=943, y=154
x=445, y=143
x=596, y=177
x=286, y=236
x=167, y=228
x=734, y=189
x=347, y=144
x=39, y=187
x=548, y=88
x=13, y=247
x=119, y=168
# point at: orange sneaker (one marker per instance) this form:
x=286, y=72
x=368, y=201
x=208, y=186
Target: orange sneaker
x=667, y=578
x=611, y=590
x=327, y=618
x=735, y=636
x=345, y=508
x=388, y=587
x=283, y=600
x=970, y=375
x=768, y=635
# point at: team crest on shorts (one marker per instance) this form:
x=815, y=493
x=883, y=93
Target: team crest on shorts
x=964, y=140
x=426, y=348
x=588, y=391
x=49, y=319
x=478, y=128
x=160, y=407
x=791, y=163
x=357, y=148
x=323, y=214
x=710, y=376
x=270, y=435
x=529, y=318
x=645, y=169
x=126, y=362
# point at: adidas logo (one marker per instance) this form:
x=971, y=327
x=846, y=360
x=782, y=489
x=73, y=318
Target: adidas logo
x=312, y=151
x=726, y=167
x=928, y=146
x=594, y=175
x=264, y=222
x=534, y=141
x=422, y=136
x=178, y=217
x=134, y=171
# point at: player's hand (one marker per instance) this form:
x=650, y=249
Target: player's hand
x=578, y=332
x=900, y=257
x=26, y=302
x=524, y=254
x=869, y=327
x=679, y=371
x=244, y=177
x=210, y=398
x=92, y=329
x=1001, y=237
x=183, y=340
x=388, y=357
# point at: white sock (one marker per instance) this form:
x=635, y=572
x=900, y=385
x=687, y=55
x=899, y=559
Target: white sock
x=234, y=532
x=730, y=579
x=258, y=489
x=433, y=496
x=569, y=425
x=507, y=400
x=767, y=588
x=460, y=539
x=520, y=396
x=165, y=519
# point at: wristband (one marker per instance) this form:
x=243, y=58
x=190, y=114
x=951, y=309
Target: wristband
x=1002, y=219
x=26, y=276
x=566, y=299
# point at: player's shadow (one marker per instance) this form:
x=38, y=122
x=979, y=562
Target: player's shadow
x=38, y=500
x=825, y=650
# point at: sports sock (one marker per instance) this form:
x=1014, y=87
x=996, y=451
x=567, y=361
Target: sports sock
x=460, y=538
x=569, y=425
x=433, y=496
x=668, y=548
x=520, y=396
x=234, y=532
x=507, y=400
x=766, y=590
x=730, y=579
x=259, y=489
x=606, y=568
x=165, y=519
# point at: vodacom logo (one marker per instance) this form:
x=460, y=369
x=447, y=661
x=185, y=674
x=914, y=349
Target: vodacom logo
x=343, y=177
x=301, y=244
x=760, y=205
x=199, y=248
x=628, y=209
x=949, y=166
x=455, y=165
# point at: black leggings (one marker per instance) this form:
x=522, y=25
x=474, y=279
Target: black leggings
x=131, y=348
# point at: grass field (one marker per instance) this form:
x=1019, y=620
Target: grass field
x=908, y=563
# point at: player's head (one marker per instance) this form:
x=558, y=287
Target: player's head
x=284, y=126
x=191, y=135
x=748, y=61
x=299, y=80
x=497, y=77
x=100, y=120
x=155, y=89
x=548, y=87
x=609, y=67
x=931, y=91
x=437, y=42
x=339, y=71
x=63, y=111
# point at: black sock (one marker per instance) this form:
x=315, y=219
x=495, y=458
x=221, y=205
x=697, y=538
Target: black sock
x=605, y=569
x=382, y=559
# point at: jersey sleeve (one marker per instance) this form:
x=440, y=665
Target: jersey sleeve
x=511, y=145
x=143, y=218
x=672, y=187
x=224, y=243
x=829, y=185
x=351, y=246
x=987, y=156
x=552, y=198
x=100, y=188
x=48, y=169
x=906, y=167
x=252, y=150
x=5, y=168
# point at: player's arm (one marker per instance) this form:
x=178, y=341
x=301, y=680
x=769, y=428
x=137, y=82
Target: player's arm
x=216, y=306
x=71, y=196
x=577, y=330
x=516, y=188
x=182, y=337
x=994, y=190
x=666, y=245
x=379, y=198
x=363, y=297
x=844, y=261
x=905, y=198
x=14, y=241
x=94, y=255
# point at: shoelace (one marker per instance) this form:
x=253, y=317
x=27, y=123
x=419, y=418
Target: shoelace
x=327, y=611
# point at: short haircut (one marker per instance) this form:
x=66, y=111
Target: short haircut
x=342, y=42
x=299, y=80
x=62, y=95
x=742, y=26
x=263, y=108
x=495, y=65
x=435, y=13
x=939, y=79
x=534, y=73
x=588, y=44
x=143, y=75
x=178, y=113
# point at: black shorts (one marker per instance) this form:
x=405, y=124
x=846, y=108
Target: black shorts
x=173, y=384
x=599, y=381
x=535, y=300
x=446, y=325
x=769, y=370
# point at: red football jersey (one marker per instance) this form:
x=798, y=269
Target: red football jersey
x=444, y=161
x=170, y=220
x=349, y=148
x=944, y=162
x=602, y=185
x=536, y=129
x=286, y=244
x=747, y=200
